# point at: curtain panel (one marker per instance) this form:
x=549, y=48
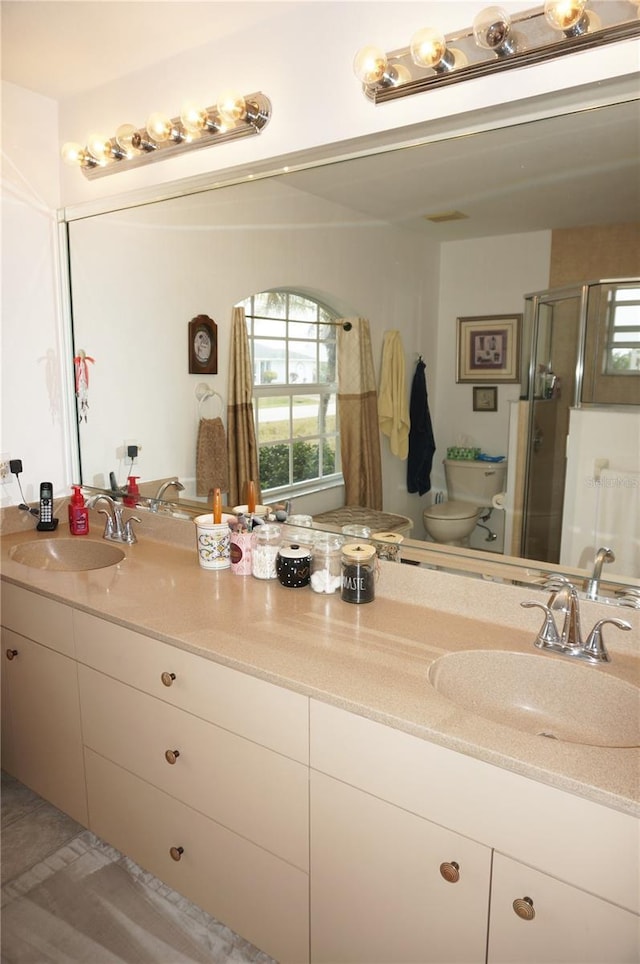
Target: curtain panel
x=358, y=415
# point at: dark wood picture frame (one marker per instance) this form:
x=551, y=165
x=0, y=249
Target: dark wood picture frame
x=203, y=346
x=485, y=398
x=488, y=348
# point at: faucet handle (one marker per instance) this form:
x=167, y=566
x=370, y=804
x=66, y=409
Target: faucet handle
x=548, y=633
x=629, y=597
x=109, y=530
x=129, y=535
x=594, y=649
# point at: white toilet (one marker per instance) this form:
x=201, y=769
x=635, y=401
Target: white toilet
x=471, y=485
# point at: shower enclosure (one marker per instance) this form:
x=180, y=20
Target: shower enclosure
x=581, y=347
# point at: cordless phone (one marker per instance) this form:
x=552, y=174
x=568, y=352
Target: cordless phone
x=46, y=522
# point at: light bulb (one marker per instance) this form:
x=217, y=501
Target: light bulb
x=194, y=118
x=492, y=31
x=429, y=49
x=231, y=107
x=99, y=147
x=564, y=14
x=75, y=155
x=159, y=127
x=370, y=65
x=124, y=138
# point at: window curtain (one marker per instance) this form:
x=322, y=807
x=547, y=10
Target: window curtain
x=358, y=415
x=242, y=447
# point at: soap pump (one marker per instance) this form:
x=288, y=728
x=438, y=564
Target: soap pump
x=78, y=513
x=133, y=492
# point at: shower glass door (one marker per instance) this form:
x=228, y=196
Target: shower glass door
x=556, y=326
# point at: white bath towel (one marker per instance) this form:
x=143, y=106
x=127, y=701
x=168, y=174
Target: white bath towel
x=618, y=519
x=393, y=403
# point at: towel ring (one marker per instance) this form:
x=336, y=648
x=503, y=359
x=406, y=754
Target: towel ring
x=203, y=392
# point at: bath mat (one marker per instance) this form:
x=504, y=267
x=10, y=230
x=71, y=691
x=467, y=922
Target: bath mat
x=88, y=904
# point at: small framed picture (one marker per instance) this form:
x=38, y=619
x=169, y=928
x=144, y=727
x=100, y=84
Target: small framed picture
x=489, y=348
x=485, y=398
x=203, y=346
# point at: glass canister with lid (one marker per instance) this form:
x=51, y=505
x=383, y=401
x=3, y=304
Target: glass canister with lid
x=265, y=543
x=326, y=557
x=358, y=572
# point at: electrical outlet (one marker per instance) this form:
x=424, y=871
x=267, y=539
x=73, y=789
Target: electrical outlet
x=5, y=471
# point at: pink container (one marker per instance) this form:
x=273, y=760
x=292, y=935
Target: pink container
x=241, y=553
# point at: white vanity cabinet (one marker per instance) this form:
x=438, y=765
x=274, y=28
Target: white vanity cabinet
x=408, y=806
x=200, y=774
x=41, y=738
x=389, y=886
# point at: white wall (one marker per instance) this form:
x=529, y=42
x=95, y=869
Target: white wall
x=303, y=62
x=34, y=413
x=611, y=435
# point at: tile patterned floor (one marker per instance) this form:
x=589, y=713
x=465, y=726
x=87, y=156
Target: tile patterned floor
x=37, y=839
x=31, y=828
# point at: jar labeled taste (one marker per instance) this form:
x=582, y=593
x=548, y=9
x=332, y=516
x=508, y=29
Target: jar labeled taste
x=358, y=573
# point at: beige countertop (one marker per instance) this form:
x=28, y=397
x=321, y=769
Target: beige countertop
x=370, y=659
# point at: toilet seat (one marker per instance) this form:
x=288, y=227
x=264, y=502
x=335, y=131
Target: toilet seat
x=453, y=511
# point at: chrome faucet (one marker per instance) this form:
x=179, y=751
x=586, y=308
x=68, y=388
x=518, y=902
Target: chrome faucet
x=564, y=601
x=115, y=529
x=154, y=503
x=593, y=585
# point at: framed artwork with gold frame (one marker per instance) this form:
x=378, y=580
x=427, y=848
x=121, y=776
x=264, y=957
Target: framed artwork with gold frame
x=488, y=348
x=485, y=398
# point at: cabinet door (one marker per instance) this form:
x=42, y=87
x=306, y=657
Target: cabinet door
x=378, y=892
x=41, y=741
x=259, y=896
x=568, y=926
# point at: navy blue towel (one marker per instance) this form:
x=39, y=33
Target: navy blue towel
x=422, y=444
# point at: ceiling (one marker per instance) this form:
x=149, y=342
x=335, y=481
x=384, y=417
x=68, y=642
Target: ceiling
x=97, y=41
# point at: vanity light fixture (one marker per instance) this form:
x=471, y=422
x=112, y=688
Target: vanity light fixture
x=495, y=41
x=232, y=117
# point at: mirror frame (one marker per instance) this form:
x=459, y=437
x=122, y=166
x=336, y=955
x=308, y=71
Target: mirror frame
x=471, y=562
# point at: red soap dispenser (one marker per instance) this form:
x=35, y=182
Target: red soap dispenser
x=78, y=513
x=133, y=492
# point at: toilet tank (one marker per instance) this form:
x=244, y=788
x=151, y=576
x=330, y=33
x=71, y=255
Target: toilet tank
x=473, y=481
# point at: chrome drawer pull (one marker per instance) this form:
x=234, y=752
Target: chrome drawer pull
x=171, y=756
x=167, y=678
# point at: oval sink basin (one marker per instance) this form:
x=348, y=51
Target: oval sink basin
x=67, y=555
x=543, y=696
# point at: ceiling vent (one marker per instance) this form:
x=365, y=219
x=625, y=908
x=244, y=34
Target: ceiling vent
x=446, y=216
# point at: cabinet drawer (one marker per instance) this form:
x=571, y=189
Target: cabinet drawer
x=253, y=791
x=588, y=845
x=37, y=617
x=267, y=714
x=569, y=926
x=259, y=896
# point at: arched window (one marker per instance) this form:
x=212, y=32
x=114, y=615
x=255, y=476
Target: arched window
x=292, y=339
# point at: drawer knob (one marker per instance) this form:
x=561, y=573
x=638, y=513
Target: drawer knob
x=523, y=906
x=176, y=852
x=450, y=872
x=12, y=653
x=168, y=678
x=171, y=756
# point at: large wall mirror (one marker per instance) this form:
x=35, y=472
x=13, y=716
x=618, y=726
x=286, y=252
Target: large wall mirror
x=409, y=238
